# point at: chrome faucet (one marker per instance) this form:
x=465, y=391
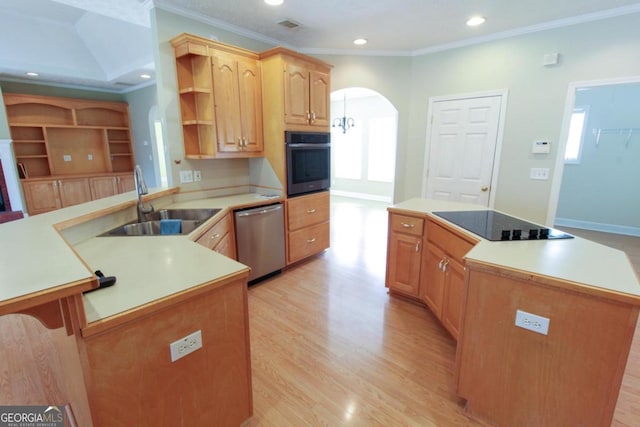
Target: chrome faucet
x=141, y=189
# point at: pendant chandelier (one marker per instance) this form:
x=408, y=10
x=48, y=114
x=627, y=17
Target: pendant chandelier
x=344, y=122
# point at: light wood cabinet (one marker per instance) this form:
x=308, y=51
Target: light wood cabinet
x=220, y=237
x=404, y=254
x=105, y=186
x=308, y=231
x=50, y=194
x=571, y=376
x=220, y=98
x=237, y=84
x=433, y=274
x=67, y=140
x=298, y=90
x=132, y=380
x=442, y=281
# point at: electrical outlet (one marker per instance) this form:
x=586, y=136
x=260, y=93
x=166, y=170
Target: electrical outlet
x=532, y=322
x=89, y=156
x=186, y=176
x=539, y=173
x=186, y=345
x=66, y=157
x=197, y=176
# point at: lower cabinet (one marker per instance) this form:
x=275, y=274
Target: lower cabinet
x=404, y=253
x=433, y=274
x=131, y=380
x=44, y=195
x=50, y=194
x=220, y=237
x=307, y=225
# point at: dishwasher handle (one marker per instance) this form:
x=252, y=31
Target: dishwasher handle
x=259, y=211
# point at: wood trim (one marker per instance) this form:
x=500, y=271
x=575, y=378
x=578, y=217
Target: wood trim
x=177, y=41
x=50, y=314
x=279, y=50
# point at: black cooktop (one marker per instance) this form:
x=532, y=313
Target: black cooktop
x=496, y=226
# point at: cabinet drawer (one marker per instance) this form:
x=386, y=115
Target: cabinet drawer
x=216, y=233
x=307, y=210
x=451, y=243
x=407, y=224
x=308, y=241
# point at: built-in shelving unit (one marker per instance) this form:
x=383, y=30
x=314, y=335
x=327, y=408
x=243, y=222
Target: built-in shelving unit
x=75, y=139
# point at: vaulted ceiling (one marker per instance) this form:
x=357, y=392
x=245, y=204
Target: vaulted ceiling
x=107, y=44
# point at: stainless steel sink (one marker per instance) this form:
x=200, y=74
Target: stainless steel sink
x=150, y=228
x=190, y=220
x=183, y=214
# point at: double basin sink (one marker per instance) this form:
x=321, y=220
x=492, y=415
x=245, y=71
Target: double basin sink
x=190, y=219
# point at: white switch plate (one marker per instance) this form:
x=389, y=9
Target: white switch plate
x=186, y=345
x=539, y=173
x=66, y=157
x=186, y=176
x=197, y=176
x=89, y=156
x=532, y=322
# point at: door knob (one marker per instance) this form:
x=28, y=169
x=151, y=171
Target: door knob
x=484, y=188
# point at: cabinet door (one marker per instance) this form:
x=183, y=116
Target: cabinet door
x=74, y=191
x=319, y=91
x=405, y=252
x=453, y=297
x=226, y=246
x=250, y=92
x=41, y=196
x=126, y=183
x=103, y=186
x=296, y=95
x=432, y=280
x=226, y=102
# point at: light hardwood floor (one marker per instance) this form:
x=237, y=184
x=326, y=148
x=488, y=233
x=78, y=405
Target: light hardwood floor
x=330, y=347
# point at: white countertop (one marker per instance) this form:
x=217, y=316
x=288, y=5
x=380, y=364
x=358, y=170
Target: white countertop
x=35, y=260
x=576, y=260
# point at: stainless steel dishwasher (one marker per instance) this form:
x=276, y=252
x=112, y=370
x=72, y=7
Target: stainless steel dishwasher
x=260, y=239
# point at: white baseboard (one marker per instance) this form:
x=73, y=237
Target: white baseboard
x=597, y=226
x=364, y=196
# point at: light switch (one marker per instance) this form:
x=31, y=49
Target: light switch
x=539, y=173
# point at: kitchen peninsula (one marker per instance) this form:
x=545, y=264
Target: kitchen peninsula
x=167, y=288
x=510, y=370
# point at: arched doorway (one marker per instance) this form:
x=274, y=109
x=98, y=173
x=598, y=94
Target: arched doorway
x=363, y=152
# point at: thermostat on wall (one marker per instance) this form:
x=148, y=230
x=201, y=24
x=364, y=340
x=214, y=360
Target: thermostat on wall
x=541, y=147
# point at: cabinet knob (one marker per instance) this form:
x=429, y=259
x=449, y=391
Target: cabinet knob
x=484, y=188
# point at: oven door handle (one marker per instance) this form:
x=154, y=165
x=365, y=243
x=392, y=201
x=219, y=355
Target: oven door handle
x=305, y=145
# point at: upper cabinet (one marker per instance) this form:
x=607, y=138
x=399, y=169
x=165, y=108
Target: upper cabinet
x=298, y=90
x=220, y=99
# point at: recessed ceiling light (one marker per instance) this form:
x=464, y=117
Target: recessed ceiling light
x=360, y=42
x=32, y=74
x=476, y=20
x=274, y=2
x=145, y=76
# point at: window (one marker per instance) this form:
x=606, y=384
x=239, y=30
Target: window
x=575, y=138
x=347, y=151
x=382, y=155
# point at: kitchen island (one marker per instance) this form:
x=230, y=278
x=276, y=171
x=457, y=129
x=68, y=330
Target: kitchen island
x=167, y=288
x=568, y=374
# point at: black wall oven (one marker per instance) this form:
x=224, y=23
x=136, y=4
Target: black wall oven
x=308, y=162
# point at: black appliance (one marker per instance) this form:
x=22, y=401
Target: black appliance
x=496, y=226
x=308, y=162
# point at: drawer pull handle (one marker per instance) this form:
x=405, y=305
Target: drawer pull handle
x=444, y=266
x=417, y=247
x=405, y=225
x=215, y=236
x=311, y=240
x=310, y=211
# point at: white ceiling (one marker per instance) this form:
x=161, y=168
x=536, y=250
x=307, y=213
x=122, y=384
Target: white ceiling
x=107, y=43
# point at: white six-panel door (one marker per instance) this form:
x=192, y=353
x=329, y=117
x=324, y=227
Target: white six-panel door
x=463, y=138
